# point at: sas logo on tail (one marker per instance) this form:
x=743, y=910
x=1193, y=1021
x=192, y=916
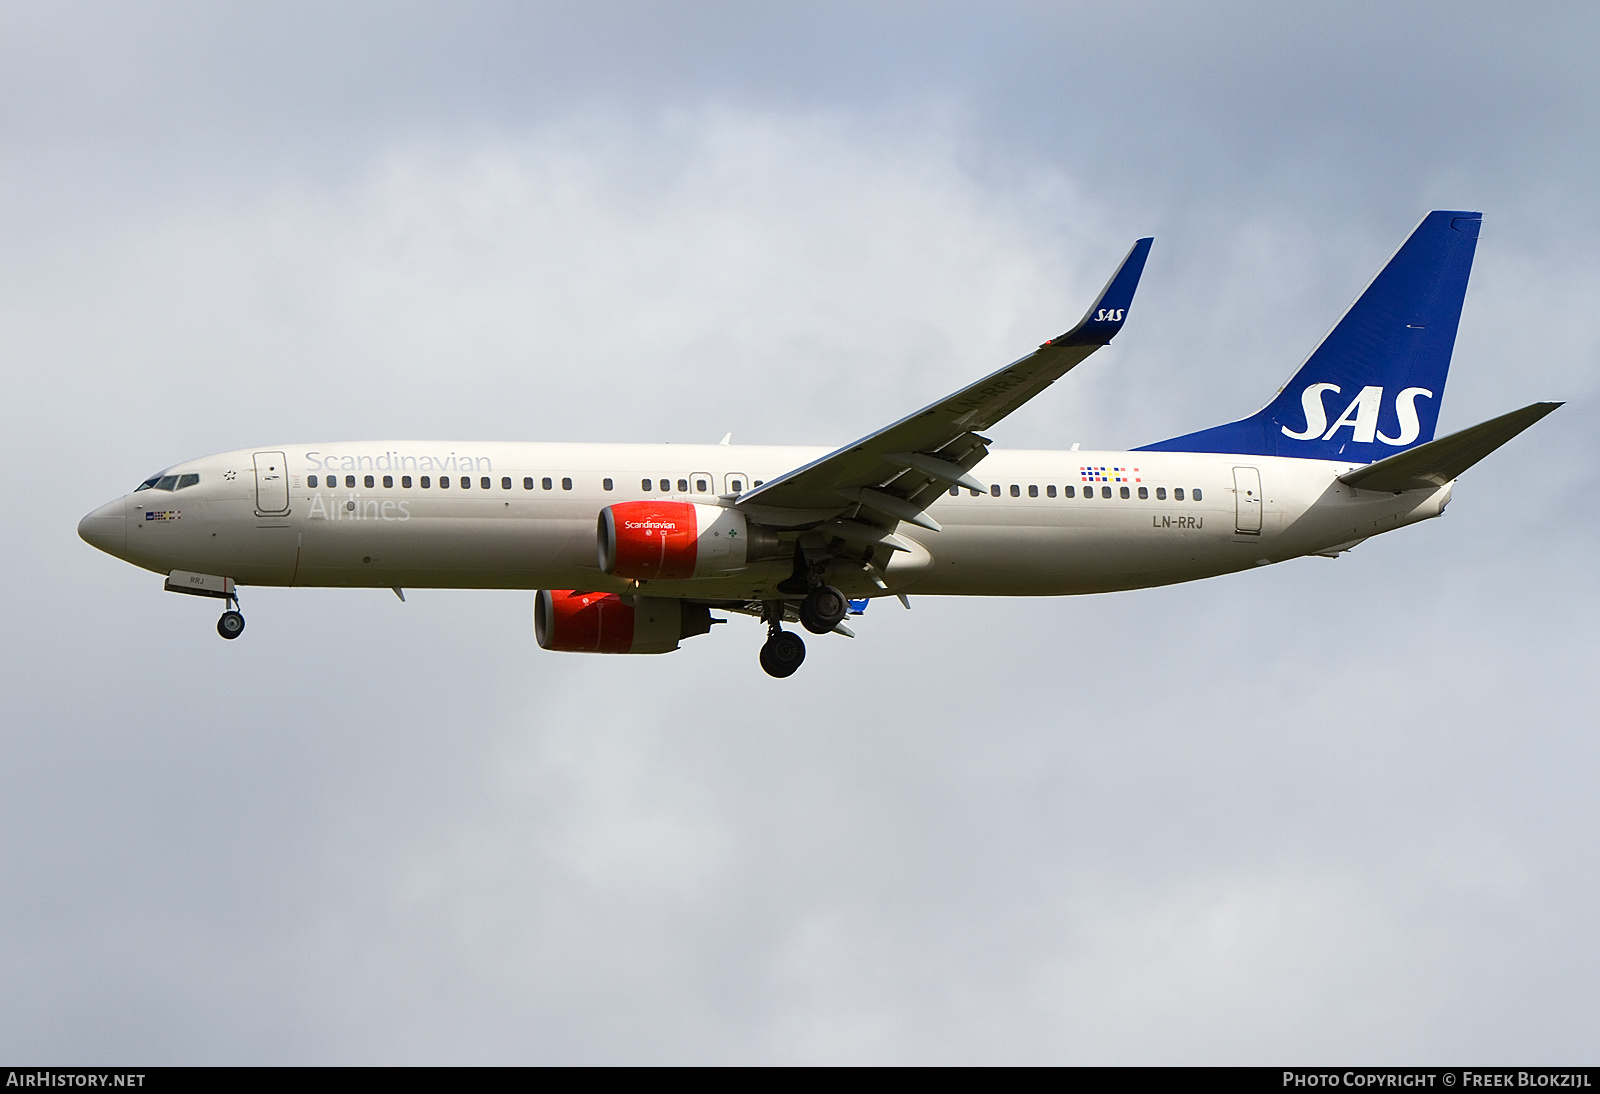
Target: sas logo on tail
x=1361, y=415
x=1110, y=315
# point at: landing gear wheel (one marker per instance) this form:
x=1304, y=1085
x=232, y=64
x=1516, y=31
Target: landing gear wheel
x=782, y=654
x=231, y=625
x=823, y=609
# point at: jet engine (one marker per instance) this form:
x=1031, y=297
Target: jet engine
x=669, y=540
x=573, y=621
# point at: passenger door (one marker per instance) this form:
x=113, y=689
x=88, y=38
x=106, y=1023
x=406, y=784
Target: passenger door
x=1247, y=501
x=272, y=483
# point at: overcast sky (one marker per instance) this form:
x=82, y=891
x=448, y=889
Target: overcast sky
x=1328, y=811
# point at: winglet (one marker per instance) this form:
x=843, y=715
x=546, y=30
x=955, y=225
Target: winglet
x=1110, y=309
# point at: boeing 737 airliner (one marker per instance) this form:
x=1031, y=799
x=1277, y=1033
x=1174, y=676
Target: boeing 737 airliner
x=632, y=546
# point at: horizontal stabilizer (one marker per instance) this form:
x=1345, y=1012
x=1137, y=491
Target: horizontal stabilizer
x=1431, y=465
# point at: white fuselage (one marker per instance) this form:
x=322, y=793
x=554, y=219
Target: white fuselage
x=369, y=521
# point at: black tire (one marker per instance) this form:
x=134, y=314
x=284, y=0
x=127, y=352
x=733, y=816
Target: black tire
x=231, y=625
x=823, y=609
x=782, y=654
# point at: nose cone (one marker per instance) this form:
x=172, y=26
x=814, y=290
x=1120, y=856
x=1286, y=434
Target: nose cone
x=106, y=529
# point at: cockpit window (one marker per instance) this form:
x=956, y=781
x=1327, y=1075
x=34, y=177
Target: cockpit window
x=167, y=482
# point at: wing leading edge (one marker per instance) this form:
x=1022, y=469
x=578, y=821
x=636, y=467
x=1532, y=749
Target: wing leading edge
x=897, y=472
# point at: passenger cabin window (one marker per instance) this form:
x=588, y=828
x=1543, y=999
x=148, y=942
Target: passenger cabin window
x=424, y=482
x=955, y=491
x=994, y=490
x=566, y=484
x=505, y=482
x=368, y=482
x=1070, y=491
x=405, y=482
x=701, y=486
x=1105, y=491
x=350, y=482
x=644, y=484
x=1177, y=494
x=756, y=483
x=1033, y=491
x=1016, y=491
x=486, y=482
x=683, y=486
x=311, y=481
x=444, y=482
x=1050, y=491
x=605, y=484
x=388, y=482
x=1161, y=493
x=527, y=482
x=547, y=484
x=1124, y=493
x=666, y=486
x=736, y=486
x=1144, y=493
x=1197, y=493
x=466, y=482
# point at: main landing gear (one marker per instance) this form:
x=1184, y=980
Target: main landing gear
x=823, y=609
x=782, y=654
x=783, y=650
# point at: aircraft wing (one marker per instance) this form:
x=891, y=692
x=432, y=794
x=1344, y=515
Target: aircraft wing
x=897, y=472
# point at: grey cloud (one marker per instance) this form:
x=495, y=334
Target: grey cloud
x=1326, y=809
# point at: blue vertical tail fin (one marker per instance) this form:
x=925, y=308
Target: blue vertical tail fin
x=1373, y=386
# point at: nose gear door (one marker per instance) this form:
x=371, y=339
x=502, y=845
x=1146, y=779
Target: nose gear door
x=272, y=483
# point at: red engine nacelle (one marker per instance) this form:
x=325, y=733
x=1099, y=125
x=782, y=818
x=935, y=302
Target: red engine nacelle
x=671, y=539
x=573, y=621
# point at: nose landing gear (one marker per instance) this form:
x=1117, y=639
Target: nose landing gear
x=231, y=625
